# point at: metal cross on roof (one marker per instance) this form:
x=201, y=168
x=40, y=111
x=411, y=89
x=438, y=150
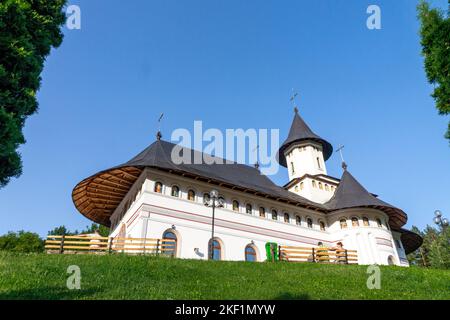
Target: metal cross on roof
x=256, y=149
x=293, y=98
x=341, y=147
x=158, y=134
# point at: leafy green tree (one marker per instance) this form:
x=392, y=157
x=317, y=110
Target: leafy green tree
x=435, y=250
x=59, y=231
x=435, y=41
x=102, y=230
x=418, y=257
x=28, y=31
x=62, y=230
x=439, y=254
x=21, y=242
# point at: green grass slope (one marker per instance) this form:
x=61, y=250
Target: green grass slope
x=144, y=277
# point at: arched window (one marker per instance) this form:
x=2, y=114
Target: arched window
x=217, y=249
x=191, y=195
x=221, y=201
x=379, y=223
x=301, y=185
x=365, y=222
x=206, y=198
x=296, y=188
x=327, y=188
x=314, y=183
x=262, y=212
x=235, y=205
x=292, y=168
x=298, y=220
x=158, y=187
x=286, y=217
x=274, y=215
x=309, y=222
x=355, y=222
x=248, y=208
x=175, y=191
x=250, y=253
x=391, y=260
x=169, y=243
x=322, y=225
x=343, y=223
x=320, y=186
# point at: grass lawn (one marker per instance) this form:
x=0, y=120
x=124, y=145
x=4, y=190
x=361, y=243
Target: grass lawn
x=41, y=276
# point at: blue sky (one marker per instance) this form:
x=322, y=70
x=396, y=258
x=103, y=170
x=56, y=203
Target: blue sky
x=232, y=64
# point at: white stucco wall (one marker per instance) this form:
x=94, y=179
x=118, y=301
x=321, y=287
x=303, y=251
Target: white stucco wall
x=152, y=213
x=307, y=158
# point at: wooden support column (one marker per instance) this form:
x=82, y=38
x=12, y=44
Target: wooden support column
x=61, y=245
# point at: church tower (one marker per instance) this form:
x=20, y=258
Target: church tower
x=304, y=154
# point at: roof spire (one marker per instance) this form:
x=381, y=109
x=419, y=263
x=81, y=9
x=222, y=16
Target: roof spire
x=299, y=132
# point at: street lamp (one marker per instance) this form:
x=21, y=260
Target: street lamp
x=214, y=202
x=439, y=220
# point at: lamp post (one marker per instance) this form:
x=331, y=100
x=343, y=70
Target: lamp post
x=439, y=220
x=214, y=202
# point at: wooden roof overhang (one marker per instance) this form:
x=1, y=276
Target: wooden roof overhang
x=98, y=196
x=411, y=241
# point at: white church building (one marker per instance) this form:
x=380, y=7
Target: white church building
x=152, y=197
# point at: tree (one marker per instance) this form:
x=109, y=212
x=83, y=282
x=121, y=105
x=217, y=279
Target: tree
x=435, y=41
x=28, y=31
x=435, y=250
x=102, y=230
x=21, y=242
x=418, y=257
x=439, y=254
x=62, y=230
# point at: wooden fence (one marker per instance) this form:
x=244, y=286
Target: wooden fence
x=98, y=245
x=317, y=254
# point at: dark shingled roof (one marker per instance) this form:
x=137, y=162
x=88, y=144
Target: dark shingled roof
x=98, y=196
x=92, y=196
x=411, y=241
x=301, y=132
x=351, y=194
x=159, y=153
